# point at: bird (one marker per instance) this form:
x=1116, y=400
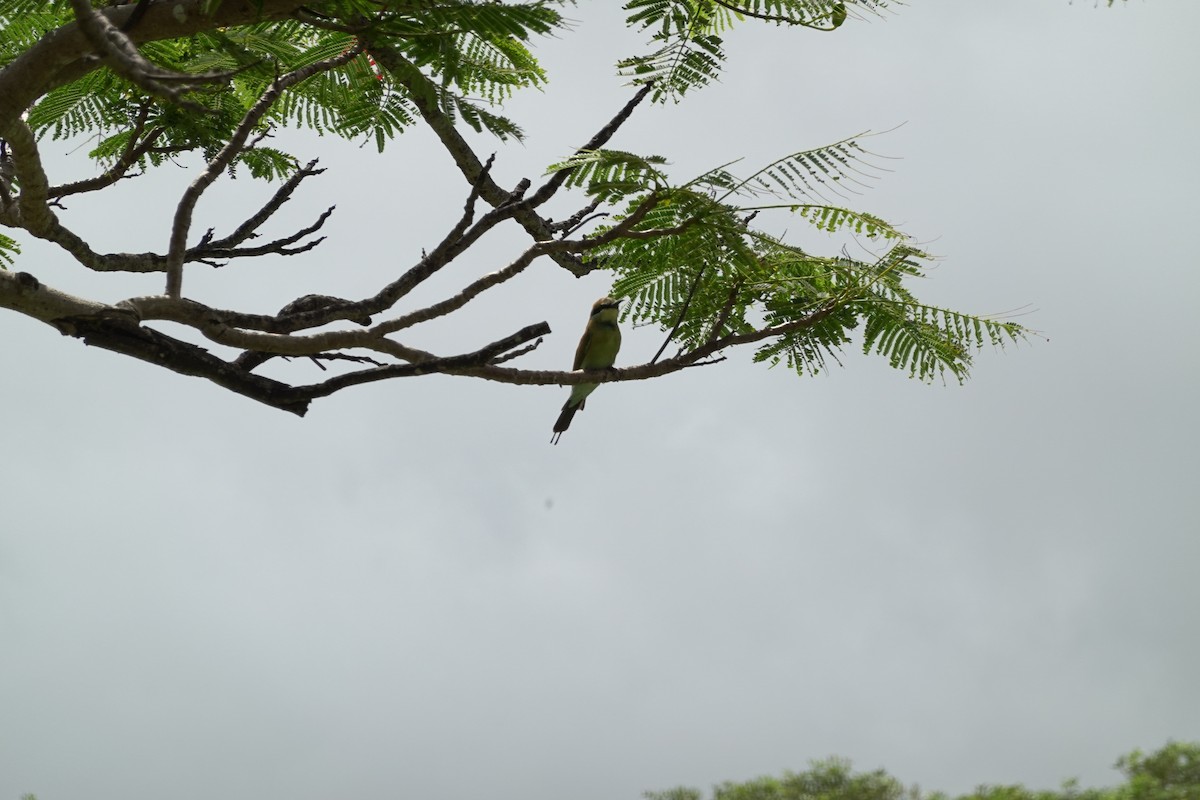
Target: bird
x=597, y=350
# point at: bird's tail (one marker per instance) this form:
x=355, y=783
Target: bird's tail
x=564, y=421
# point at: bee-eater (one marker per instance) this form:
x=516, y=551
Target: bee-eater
x=597, y=350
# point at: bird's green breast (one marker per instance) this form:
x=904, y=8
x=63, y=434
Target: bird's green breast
x=605, y=343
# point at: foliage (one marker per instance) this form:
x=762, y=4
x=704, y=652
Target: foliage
x=691, y=256
x=1171, y=773
x=9, y=250
x=715, y=275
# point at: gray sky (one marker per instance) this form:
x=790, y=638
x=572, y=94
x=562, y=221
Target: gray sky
x=717, y=575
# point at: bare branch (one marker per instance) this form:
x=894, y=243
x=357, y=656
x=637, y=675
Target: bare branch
x=576, y=220
x=424, y=95
x=461, y=236
x=278, y=246
x=33, y=213
x=319, y=357
x=520, y=351
x=489, y=353
x=187, y=204
x=450, y=248
x=284, y=193
x=469, y=293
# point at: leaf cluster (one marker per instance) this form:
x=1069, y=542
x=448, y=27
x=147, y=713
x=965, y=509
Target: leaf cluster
x=689, y=260
x=687, y=51
x=9, y=249
x=476, y=54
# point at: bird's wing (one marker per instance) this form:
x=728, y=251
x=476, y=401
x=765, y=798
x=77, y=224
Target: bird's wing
x=585, y=344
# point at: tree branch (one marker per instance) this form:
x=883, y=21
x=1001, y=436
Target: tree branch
x=424, y=96
x=494, y=351
x=470, y=292
x=116, y=329
x=183, y=213
x=134, y=151
x=122, y=56
x=778, y=18
x=682, y=311
x=284, y=193
x=547, y=190
x=66, y=54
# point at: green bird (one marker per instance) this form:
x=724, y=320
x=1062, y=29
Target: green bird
x=597, y=350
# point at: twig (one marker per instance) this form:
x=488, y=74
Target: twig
x=435, y=365
x=576, y=220
x=133, y=153
x=682, y=312
x=317, y=358
x=470, y=292
x=723, y=317
x=776, y=18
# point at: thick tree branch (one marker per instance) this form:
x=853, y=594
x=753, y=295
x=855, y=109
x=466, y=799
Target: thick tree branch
x=122, y=57
x=66, y=54
x=113, y=328
x=32, y=206
x=118, y=328
x=121, y=334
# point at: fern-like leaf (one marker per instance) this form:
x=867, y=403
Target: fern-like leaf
x=9, y=250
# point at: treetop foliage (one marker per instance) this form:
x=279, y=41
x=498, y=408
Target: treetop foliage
x=1170, y=773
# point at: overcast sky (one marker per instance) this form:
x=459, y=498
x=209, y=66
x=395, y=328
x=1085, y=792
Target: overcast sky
x=717, y=575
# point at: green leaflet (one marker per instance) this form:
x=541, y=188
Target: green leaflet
x=687, y=52
x=613, y=174
x=9, y=249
